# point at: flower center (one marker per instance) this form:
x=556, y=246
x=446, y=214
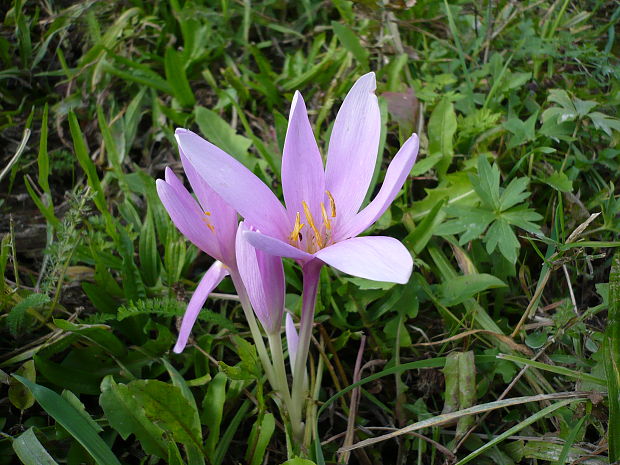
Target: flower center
x=320, y=233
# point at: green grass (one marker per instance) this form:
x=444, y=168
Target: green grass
x=517, y=106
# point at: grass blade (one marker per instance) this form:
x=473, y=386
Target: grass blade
x=73, y=421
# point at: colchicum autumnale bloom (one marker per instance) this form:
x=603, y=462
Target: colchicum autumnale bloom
x=322, y=218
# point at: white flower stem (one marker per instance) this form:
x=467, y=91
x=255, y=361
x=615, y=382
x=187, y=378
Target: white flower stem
x=277, y=354
x=311, y=273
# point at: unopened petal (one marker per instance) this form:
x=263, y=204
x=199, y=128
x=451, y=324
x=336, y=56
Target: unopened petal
x=353, y=147
x=395, y=177
x=292, y=340
x=235, y=184
x=378, y=258
x=263, y=277
x=209, y=281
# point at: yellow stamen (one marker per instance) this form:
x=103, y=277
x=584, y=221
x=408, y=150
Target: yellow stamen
x=317, y=234
x=206, y=221
x=326, y=221
x=296, y=233
x=332, y=203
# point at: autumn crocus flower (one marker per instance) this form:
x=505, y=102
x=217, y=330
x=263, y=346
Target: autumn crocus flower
x=322, y=217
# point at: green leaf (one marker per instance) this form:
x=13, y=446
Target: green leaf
x=165, y=406
x=611, y=351
x=101, y=335
x=486, y=184
x=351, y=42
x=177, y=78
x=127, y=416
x=30, y=451
x=220, y=133
x=213, y=407
x=514, y=193
x=560, y=182
x=43, y=159
x=461, y=288
x=441, y=129
x=19, y=395
x=72, y=421
x=500, y=233
x=265, y=429
x=147, y=247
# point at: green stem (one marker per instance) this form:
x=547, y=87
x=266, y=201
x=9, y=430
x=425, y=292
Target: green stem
x=277, y=355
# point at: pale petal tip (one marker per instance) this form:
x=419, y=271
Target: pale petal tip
x=178, y=347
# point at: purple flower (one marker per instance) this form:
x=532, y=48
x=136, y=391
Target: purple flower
x=322, y=218
x=210, y=224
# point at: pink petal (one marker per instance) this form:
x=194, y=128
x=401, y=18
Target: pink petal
x=292, y=340
x=263, y=277
x=353, y=148
x=303, y=178
x=274, y=246
x=238, y=187
x=209, y=281
x=185, y=213
x=221, y=216
x=395, y=177
x=378, y=258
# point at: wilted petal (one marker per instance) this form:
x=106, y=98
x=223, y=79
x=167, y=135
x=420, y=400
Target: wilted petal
x=219, y=214
x=353, y=147
x=292, y=340
x=185, y=213
x=303, y=178
x=263, y=277
x=274, y=246
x=209, y=281
x=395, y=177
x=235, y=184
x=378, y=258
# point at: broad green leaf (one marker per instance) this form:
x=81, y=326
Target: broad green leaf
x=486, y=183
x=165, y=406
x=72, y=421
x=514, y=193
x=127, y=416
x=19, y=395
x=30, y=451
x=460, y=288
x=560, y=182
x=441, y=129
x=17, y=319
x=101, y=335
x=501, y=235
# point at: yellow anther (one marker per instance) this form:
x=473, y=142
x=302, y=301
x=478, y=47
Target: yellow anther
x=332, y=203
x=326, y=222
x=207, y=213
x=296, y=233
x=317, y=234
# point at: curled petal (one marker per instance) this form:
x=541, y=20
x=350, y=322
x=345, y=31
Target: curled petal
x=235, y=184
x=378, y=258
x=353, y=147
x=395, y=177
x=263, y=277
x=185, y=213
x=209, y=281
